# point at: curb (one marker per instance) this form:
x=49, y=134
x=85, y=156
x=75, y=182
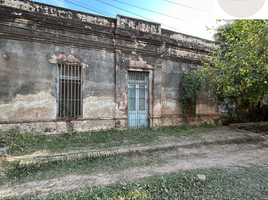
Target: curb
x=123, y=151
x=249, y=124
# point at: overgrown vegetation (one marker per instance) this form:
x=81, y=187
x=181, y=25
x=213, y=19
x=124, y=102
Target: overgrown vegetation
x=244, y=183
x=219, y=183
x=238, y=70
x=27, y=143
x=21, y=172
x=190, y=87
x=35, y=144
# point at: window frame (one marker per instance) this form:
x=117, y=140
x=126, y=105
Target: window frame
x=80, y=79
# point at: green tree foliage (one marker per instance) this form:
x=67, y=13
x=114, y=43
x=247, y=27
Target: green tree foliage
x=239, y=67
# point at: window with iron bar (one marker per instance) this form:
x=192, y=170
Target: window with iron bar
x=69, y=91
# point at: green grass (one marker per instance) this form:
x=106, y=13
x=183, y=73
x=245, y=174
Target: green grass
x=244, y=183
x=21, y=172
x=247, y=183
x=17, y=172
x=28, y=143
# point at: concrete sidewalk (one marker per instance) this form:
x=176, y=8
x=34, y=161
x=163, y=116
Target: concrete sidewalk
x=221, y=134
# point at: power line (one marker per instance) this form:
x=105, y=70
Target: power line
x=137, y=14
x=96, y=9
x=149, y=10
x=103, y=12
x=86, y=7
x=184, y=5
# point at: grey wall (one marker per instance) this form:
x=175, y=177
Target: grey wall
x=34, y=38
x=29, y=84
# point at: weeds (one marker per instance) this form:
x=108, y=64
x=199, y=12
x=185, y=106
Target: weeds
x=83, y=162
x=220, y=184
x=27, y=143
x=206, y=125
x=21, y=172
x=245, y=183
x=16, y=141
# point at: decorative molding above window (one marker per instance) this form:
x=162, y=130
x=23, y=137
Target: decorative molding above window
x=67, y=60
x=137, y=62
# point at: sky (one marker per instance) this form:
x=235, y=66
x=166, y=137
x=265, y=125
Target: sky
x=190, y=17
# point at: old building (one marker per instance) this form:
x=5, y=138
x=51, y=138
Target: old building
x=62, y=68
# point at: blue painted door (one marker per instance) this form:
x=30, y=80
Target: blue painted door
x=137, y=100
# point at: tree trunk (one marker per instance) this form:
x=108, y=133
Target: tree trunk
x=249, y=113
x=237, y=112
x=253, y=113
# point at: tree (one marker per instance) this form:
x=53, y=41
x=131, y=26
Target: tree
x=239, y=66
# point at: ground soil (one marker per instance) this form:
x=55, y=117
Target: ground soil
x=230, y=156
x=256, y=128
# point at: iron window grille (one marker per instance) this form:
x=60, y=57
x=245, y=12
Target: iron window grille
x=136, y=78
x=69, y=91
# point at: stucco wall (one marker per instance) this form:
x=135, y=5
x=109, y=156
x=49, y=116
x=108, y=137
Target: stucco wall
x=35, y=37
x=29, y=81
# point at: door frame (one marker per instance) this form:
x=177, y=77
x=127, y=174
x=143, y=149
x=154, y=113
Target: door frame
x=138, y=116
x=149, y=72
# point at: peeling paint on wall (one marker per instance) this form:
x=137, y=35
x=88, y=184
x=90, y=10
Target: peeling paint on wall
x=107, y=49
x=121, y=106
x=56, y=12
x=28, y=107
x=171, y=108
x=100, y=107
x=94, y=20
x=67, y=60
x=93, y=125
x=138, y=25
x=140, y=63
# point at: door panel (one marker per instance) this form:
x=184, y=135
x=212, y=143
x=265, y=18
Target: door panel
x=137, y=101
x=143, y=107
x=132, y=113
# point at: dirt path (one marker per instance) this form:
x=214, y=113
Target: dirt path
x=206, y=156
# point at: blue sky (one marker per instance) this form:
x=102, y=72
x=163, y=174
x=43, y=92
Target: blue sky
x=189, y=17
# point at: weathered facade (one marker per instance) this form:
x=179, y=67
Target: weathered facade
x=119, y=69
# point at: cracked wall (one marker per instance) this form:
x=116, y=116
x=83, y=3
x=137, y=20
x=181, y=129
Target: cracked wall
x=53, y=11
x=35, y=38
x=26, y=107
x=28, y=82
